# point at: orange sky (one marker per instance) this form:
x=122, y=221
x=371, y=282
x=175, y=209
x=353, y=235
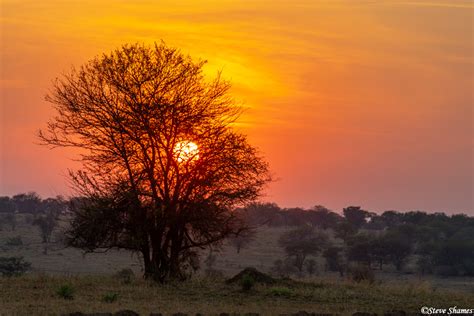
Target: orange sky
x=352, y=102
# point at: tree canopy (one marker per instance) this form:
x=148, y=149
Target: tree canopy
x=163, y=167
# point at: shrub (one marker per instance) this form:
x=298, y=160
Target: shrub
x=66, y=292
x=280, y=291
x=125, y=275
x=110, y=297
x=362, y=273
x=13, y=266
x=247, y=283
x=14, y=242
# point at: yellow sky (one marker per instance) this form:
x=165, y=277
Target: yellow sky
x=352, y=102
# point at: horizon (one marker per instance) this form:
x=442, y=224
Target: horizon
x=290, y=208
x=366, y=104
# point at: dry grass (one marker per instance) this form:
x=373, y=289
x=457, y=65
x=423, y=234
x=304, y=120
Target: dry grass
x=91, y=277
x=36, y=295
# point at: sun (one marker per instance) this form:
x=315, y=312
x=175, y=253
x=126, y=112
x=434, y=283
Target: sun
x=186, y=151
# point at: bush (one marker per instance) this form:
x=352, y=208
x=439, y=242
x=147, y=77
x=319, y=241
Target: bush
x=14, y=242
x=66, y=292
x=247, y=283
x=110, y=297
x=125, y=275
x=280, y=291
x=362, y=273
x=13, y=266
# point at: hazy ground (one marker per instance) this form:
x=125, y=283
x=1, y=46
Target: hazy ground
x=90, y=275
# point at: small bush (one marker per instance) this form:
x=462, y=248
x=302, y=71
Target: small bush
x=280, y=291
x=66, y=292
x=13, y=266
x=362, y=274
x=247, y=283
x=14, y=242
x=125, y=275
x=110, y=297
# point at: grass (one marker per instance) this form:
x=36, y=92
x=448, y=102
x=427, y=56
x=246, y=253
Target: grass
x=280, y=291
x=110, y=297
x=95, y=281
x=37, y=294
x=66, y=292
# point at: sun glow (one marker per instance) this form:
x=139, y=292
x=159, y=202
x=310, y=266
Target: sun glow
x=186, y=151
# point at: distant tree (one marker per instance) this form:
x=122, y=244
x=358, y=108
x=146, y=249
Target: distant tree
x=378, y=251
x=311, y=266
x=46, y=224
x=457, y=253
x=398, y=248
x=302, y=242
x=323, y=217
x=283, y=268
x=27, y=202
x=258, y=213
x=56, y=206
x=7, y=212
x=6, y=205
x=391, y=218
x=356, y=216
x=335, y=259
x=297, y=216
x=375, y=222
x=359, y=249
x=425, y=252
x=163, y=167
x=345, y=231
x=243, y=239
x=9, y=219
x=415, y=218
x=391, y=247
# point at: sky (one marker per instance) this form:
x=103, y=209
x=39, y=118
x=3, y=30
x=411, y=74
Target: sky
x=366, y=103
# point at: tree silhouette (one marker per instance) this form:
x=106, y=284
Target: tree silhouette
x=355, y=216
x=46, y=224
x=301, y=243
x=133, y=113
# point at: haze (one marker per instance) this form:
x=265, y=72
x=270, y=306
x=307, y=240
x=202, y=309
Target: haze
x=352, y=102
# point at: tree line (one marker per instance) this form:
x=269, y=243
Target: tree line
x=438, y=243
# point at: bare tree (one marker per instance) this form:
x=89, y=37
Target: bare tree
x=46, y=224
x=243, y=239
x=163, y=168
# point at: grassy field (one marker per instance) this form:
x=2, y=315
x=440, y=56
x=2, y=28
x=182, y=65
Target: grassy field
x=91, y=276
x=37, y=295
